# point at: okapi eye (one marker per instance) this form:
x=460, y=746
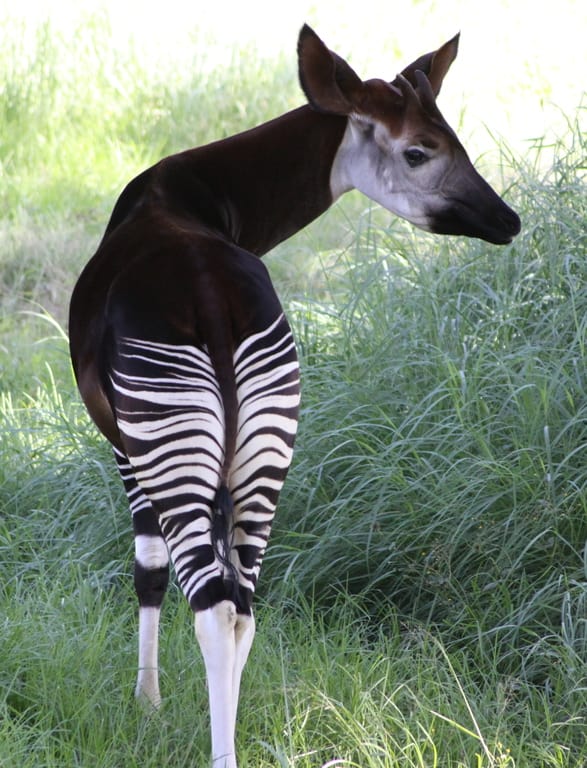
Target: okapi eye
x=415, y=157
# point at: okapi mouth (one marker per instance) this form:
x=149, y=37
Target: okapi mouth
x=494, y=224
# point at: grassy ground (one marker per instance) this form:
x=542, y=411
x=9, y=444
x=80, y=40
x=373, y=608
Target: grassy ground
x=424, y=598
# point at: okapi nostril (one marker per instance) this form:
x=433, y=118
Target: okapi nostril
x=516, y=224
x=511, y=222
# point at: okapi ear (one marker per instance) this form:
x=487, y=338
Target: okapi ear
x=329, y=83
x=435, y=65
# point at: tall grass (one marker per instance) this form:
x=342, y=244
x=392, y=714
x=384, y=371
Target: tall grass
x=455, y=404
x=424, y=597
x=78, y=115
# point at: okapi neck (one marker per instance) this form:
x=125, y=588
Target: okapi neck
x=259, y=187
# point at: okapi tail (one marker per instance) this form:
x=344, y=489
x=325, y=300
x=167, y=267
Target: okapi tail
x=222, y=527
x=222, y=506
x=215, y=317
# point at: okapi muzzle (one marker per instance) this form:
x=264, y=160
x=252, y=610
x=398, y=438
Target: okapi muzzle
x=473, y=209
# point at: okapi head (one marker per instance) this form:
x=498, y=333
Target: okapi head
x=398, y=149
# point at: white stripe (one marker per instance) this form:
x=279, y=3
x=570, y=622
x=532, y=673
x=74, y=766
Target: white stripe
x=171, y=404
x=174, y=351
x=267, y=420
x=185, y=446
x=250, y=340
x=265, y=356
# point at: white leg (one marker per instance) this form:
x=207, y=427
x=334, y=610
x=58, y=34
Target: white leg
x=215, y=631
x=147, y=688
x=151, y=575
x=244, y=634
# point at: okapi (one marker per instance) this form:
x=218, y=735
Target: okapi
x=183, y=355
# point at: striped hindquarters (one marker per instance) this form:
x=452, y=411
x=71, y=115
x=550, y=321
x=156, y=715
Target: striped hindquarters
x=170, y=414
x=268, y=390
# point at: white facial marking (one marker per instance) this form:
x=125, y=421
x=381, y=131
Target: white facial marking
x=373, y=161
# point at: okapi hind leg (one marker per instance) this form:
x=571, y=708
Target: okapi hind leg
x=216, y=632
x=244, y=636
x=151, y=577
